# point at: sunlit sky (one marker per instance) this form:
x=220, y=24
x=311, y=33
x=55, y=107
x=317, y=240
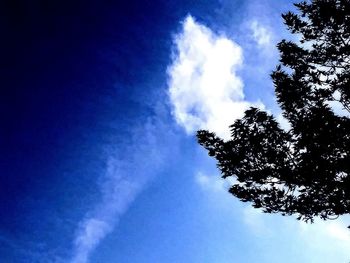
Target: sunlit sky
x=98, y=156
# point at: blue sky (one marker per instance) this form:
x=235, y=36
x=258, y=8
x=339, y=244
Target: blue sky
x=99, y=162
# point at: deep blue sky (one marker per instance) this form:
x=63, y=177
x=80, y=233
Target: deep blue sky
x=84, y=96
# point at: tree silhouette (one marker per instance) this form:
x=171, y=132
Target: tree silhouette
x=303, y=171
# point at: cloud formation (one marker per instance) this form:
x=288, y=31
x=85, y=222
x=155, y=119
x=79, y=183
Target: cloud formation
x=314, y=237
x=261, y=34
x=212, y=183
x=204, y=88
x=124, y=178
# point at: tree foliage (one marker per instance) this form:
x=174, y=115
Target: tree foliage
x=304, y=170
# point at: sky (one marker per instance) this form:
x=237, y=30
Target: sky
x=100, y=104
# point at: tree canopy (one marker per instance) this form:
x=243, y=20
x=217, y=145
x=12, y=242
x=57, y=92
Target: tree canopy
x=304, y=170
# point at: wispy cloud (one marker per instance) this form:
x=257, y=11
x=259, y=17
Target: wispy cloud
x=215, y=185
x=126, y=175
x=261, y=34
x=204, y=87
x=316, y=238
x=211, y=183
x=91, y=231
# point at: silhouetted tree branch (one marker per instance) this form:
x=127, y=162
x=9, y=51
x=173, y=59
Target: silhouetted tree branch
x=305, y=170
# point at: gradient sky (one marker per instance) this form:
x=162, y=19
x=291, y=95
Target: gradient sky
x=100, y=103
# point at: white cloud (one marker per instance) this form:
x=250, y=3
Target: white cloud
x=328, y=238
x=124, y=178
x=91, y=232
x=315, y=237
x=261, y=34
x=283, y=122
x=215, y=185
x=204, y=88
x=119, y=191
x=254, y=219
x=338, y=231
x=212, y=183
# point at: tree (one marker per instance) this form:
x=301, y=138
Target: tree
x=305, y=170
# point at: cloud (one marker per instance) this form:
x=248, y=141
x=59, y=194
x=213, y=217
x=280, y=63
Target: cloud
x=92, y=231
x=332, y=230
x=212, y=183
x=315, y=237
x=283, y=122
x=261, y=34
x=217, y=186
x=119, y=191
x=204, y=88
x=125, y=176
x=338, y=231
x=254, y=219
